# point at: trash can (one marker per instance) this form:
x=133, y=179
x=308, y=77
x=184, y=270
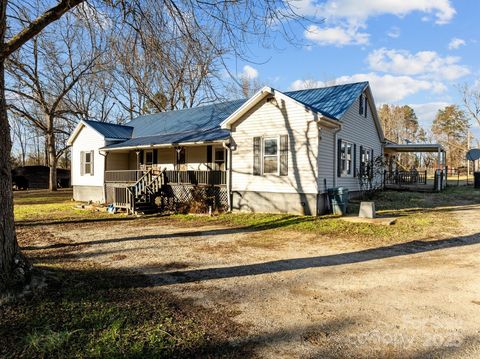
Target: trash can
x=476, y=179
x=338, y=198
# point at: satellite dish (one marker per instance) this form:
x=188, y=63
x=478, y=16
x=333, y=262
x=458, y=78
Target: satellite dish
x=473, y=154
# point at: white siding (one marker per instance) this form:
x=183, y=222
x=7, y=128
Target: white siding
x=269, y=119
x=326, y=159
x=88, y=140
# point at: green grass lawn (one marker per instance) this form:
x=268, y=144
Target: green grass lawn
x=45, y=206
x=419, y=216
x=91, y=312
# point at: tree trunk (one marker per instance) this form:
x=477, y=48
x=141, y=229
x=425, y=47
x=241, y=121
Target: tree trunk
x=52, y=157
x=13, y=267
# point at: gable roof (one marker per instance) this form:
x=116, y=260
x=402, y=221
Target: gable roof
x=212, y=122
x=331, y=101
x=110, y=130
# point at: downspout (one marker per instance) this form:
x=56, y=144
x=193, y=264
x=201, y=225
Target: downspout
x=229, y=175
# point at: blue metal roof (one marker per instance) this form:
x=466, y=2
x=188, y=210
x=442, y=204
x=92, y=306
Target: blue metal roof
x=203, y=123
x=193, y=119
x=110, y=130
x=331, y=101
x=214, y=134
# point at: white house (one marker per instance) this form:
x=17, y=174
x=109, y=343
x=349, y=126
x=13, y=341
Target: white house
x=275, y=152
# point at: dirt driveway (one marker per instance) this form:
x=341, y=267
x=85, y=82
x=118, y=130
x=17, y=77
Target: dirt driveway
x=305, y=296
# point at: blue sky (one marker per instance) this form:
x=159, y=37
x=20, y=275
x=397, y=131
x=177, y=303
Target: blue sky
x=413, y=52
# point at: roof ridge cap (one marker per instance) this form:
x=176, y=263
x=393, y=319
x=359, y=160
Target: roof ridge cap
x=108, y=123
x=180, y=132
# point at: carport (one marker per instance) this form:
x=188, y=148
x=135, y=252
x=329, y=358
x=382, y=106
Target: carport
x=414, y=180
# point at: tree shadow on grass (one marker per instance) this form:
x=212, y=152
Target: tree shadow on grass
x=284, y=221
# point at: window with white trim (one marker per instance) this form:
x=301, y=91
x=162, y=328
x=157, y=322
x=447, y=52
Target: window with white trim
x=219, y=159
x=86, y=163
x=270, y=155
x=366, y=160
x=346, y=159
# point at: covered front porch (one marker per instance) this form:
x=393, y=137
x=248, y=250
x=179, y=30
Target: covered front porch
x=414, y=179
x=167, y=175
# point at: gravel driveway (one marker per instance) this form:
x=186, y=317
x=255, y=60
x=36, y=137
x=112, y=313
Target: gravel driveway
x=304, y=296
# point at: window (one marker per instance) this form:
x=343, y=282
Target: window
x=270, y=155
x=148, y=157
x=219, y=159
x=86, y=163
x=366, y=160
x=365, y=107
x=346, y=158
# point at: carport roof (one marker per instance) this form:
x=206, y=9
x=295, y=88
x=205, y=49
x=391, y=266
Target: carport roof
x=414, y=147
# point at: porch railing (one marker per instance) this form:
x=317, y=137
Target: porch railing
x=123, y=176
x=213, y=178
x=405, y=177
x=124, y=198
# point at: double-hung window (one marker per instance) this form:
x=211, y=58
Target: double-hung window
x=346, y=158
x=149, y=158
x=366, y=161
x=270, y=155
x=220, y=159
x=363, y=105
x=86, y=163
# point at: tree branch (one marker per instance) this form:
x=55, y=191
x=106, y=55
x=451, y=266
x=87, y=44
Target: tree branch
x=37, y=25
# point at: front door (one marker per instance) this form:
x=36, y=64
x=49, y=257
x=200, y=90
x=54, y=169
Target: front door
x=148, y=160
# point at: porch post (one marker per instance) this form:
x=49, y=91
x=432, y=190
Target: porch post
x=437, y=173
x=229, y=176
x=137, y=152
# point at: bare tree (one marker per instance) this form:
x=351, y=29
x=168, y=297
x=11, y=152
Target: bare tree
x=13, y=266
x=231, y=25
x=471, y=100
x=155, y=72
x=20, y=137
x=43, y=73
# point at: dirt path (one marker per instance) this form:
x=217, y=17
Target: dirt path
x=302, y=296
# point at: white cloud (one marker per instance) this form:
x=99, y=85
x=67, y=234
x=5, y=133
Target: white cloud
x=427, y=64
x=306, y=84
x=426, y=112
x=455, y=43
x=359, y=11
x=386, y=88
x=394, y=32
x=347, y=17
x=249, y=72
x=337, y=35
